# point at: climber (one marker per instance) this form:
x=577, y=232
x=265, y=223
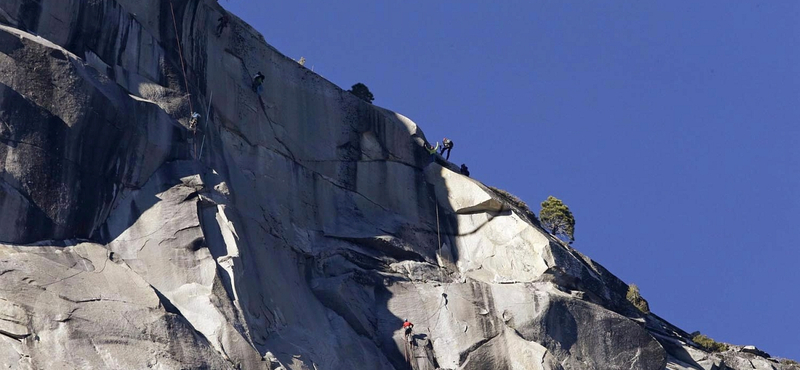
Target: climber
x=464, y=170
x=407, y=327
x=258, y=79
x=223, y=22
x=193, y=120
x=432, y=150
x=447, y=144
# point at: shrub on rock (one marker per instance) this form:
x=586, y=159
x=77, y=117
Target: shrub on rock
x=708, y=344
x=636, y=299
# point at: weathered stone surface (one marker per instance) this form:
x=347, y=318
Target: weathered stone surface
x=583, y=335
x=83, y=139
x=75, y=308
x=292, y=230
x=754, y=351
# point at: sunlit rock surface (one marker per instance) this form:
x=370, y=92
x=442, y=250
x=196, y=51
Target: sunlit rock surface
x=292, y=230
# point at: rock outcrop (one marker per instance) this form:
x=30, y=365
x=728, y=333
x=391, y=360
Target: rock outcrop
x=295, y=229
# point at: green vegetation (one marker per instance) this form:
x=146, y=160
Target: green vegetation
x=636, y=298
x=516, y=202
x=707, y=343
x=787, y=361
x=362, y=91
x=556, y=216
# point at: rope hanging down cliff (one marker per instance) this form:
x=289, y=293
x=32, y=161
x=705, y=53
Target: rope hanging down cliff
x=438, y=232
x=180, y=54
x=183, y=70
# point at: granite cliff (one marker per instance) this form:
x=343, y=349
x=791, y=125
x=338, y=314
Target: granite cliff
x=295, y=229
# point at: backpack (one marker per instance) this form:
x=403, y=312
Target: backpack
x=447, y=143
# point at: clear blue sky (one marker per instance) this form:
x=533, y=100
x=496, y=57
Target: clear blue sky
x=671, y=129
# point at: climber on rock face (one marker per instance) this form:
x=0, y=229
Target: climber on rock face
x=464, y=170
x=258, y=79
x=407, y=327
x=193, y=120
x=223, y=22
x=447, y=144
x=432, y=150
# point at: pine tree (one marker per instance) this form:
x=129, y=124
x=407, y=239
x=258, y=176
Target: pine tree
x=362, y=91
x=556, y=216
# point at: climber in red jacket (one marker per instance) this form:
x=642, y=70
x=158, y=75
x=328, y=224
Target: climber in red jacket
x=407, y=326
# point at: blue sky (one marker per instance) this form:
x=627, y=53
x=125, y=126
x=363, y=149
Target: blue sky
x=671, y=129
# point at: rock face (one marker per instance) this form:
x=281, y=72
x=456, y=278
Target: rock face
x=295, y=229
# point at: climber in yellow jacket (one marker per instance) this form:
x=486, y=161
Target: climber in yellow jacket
x=432, y=150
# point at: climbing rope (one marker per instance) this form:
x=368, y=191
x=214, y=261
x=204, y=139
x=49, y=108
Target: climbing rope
x=438, y=232
x=180, y=53
x=183, y=70
x=208, y=111
x=405, y=348
x=444, y=293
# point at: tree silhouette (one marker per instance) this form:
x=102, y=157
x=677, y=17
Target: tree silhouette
x=362, y=91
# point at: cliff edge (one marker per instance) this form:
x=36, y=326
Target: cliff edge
x=295, y=228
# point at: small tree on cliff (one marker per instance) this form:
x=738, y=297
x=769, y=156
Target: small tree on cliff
x=362, y=91
x=556, y=216
x=636, y=298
